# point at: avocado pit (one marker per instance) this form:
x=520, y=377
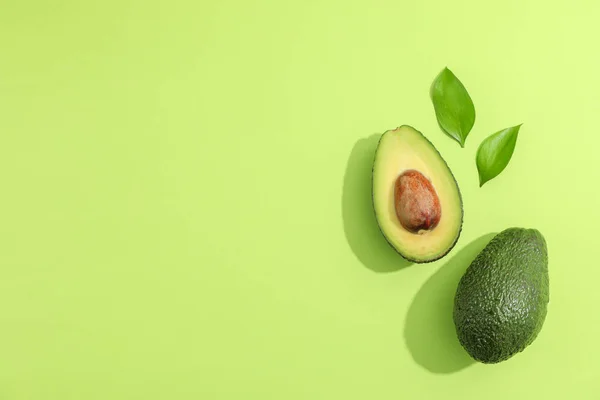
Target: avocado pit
x=417, y=204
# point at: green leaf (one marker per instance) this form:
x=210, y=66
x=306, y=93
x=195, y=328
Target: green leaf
x=495, y=152
x=453, y=106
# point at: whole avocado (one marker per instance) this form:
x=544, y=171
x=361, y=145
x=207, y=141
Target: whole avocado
x=501, y=300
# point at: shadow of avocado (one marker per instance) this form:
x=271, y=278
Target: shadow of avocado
x=360, y=226
x=429, y=328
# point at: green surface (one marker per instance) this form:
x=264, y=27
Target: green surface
x=185, y=191
x=502, y=300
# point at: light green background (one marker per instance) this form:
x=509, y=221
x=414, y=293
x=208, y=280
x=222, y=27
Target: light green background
x=185, y=196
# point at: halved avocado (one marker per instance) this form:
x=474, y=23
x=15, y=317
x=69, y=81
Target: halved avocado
x=417, y=201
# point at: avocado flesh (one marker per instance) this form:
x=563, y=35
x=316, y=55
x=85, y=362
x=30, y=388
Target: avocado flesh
x=501, y=301
x=404, y=149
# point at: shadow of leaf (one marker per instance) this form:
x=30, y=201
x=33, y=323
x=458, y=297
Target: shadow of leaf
x=360, y=226
x=429, y=328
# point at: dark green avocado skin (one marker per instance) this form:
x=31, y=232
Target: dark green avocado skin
x=501, y=301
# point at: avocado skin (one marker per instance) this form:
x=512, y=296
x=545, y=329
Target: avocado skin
x=501, y=301
x=407, y=257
